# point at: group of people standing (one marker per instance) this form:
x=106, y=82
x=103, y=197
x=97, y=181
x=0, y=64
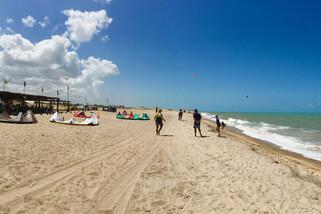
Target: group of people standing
x=197, y=123
x=159, y=119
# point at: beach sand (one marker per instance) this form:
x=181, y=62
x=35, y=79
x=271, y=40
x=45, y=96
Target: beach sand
x=121, y=166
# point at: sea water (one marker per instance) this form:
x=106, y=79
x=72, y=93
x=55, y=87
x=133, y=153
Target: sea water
x=296, y=132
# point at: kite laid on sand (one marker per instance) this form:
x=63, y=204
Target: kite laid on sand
x=93, y=121
x=26, y=118
x=83, y=115
x=132, y=116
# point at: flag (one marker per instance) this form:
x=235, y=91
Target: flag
x=24, y=83
x=68, y=87
x=42, y=89
x=5, y=81
x=57, y=93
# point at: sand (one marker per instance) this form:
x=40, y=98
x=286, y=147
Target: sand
x=121, y=166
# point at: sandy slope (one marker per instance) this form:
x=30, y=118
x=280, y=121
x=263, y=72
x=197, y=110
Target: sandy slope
x=122, y=167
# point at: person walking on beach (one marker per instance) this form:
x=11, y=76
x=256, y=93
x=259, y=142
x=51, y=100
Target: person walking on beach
x=218, y=125
x=197, y=122
x=180, y=114
x=159, y=121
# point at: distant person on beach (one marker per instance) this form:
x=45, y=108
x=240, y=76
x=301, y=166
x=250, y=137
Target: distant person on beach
x=159, y=118
x=197, y=122
x=156, y=109
x=180, y=114
x=218, y=125
x=223, y=125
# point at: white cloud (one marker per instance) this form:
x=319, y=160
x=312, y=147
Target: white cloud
x=105, y=38
x=28, y=21
x=82, y=26
x=103, y=1
x=6, y=30
x=93, y=72
x=50, y=63
x=9, y=30
x=45, y=22
x=56, y=28
x=9, y=20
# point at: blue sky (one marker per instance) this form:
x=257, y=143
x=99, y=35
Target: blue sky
x=204, y=54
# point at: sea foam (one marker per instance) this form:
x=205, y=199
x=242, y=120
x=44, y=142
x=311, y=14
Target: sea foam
x=282, y=136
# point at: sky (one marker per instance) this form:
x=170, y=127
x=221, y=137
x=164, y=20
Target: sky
x=214, y=55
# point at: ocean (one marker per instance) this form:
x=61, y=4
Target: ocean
x=296, y=132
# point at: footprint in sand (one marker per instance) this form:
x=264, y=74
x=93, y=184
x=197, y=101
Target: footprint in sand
x=158, y=203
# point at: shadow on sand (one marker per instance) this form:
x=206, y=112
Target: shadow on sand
x=167, y=135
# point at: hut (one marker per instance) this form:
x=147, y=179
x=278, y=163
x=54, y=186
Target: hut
x=18, y=102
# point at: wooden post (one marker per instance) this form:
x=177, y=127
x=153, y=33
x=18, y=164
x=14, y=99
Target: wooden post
x=39, y=107
x=57, y=104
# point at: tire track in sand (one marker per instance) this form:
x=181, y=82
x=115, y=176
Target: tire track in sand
x=16, y=196
x=114, y=199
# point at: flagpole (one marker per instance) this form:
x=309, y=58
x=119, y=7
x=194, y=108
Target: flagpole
x=68, y=97
x=42, y=99
x=24, y=87
x=67, y=92
x=4, y=84
x=57, y=100
x=85, y=103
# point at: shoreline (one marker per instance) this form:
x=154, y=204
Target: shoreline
x=296, y=161
x=268, y=147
